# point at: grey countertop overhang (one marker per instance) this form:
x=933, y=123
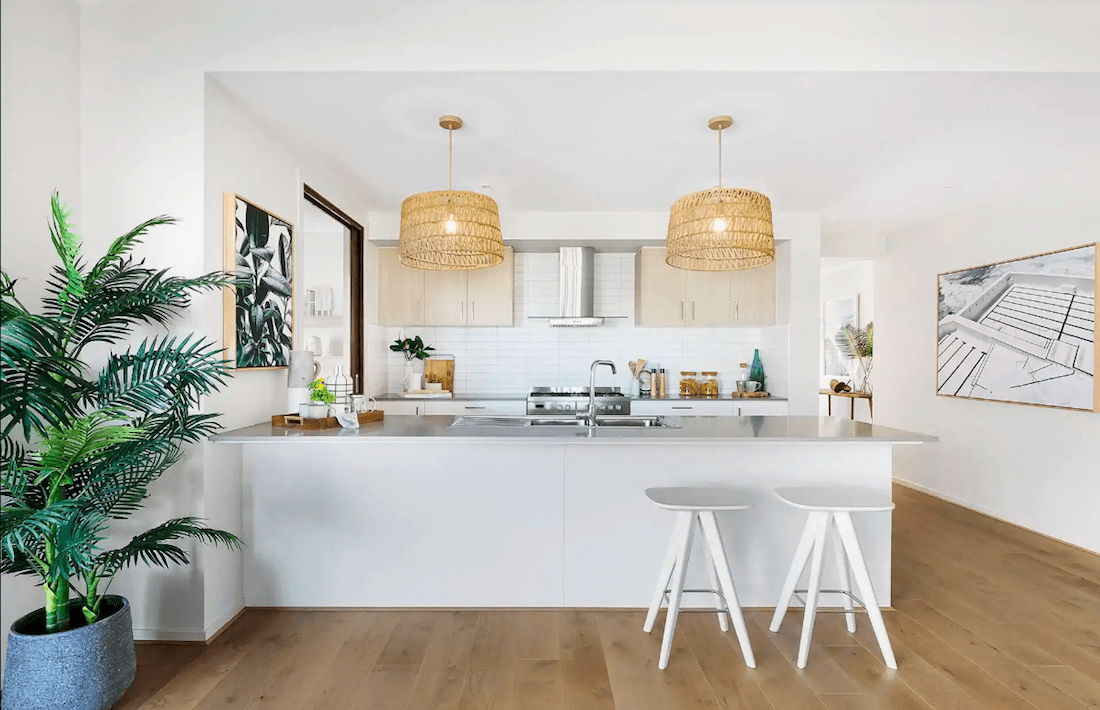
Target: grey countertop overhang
x=694, y=430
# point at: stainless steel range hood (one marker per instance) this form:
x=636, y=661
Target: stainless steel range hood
x=576, y=289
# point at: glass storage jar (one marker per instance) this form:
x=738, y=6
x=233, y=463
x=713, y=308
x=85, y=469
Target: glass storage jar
x=689, y=385
x=708, y=386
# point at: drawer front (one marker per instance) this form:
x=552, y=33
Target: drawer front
x=684, y=408
x=474, y=408
x=772, y=409
x=402, y=408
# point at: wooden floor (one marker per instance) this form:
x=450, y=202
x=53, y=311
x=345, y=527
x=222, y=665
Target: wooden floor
x=989, y=617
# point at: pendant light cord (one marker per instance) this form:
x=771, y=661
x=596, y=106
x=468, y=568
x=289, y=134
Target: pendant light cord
x=719, y=157
x=450, y=159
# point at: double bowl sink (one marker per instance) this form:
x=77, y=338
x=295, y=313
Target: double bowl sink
x=611, y=422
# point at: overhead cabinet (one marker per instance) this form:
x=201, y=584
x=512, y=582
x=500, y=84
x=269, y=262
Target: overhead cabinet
x=481, y=297
x=666, y=296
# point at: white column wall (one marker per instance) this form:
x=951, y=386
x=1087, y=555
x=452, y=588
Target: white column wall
x=39, y=153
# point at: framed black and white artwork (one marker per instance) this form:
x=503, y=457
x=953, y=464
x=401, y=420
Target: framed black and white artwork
x=258, y=247
x=1021, y=331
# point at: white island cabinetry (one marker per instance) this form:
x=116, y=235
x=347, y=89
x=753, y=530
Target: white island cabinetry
x=411, y=511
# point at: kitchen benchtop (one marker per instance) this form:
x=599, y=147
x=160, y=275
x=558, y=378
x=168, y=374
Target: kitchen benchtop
x=710, y=430
x=397, y=397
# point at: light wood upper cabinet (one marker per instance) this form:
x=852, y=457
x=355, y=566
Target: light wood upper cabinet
x=445, y=298
x=400, y=291
x=489, y=293
x=706, y=299
x=482, y=297
x=660, y=296
x=752, y=296
x=666, y=296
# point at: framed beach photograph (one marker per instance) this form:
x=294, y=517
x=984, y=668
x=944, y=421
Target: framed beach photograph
x=258, y=246
x=1021, y=331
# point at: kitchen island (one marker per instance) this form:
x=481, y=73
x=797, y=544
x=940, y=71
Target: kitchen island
x=412, y=511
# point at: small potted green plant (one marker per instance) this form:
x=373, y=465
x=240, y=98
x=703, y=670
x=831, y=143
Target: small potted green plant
x=319, y=400
x=413, y=349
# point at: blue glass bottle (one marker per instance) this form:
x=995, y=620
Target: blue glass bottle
x=756, y=370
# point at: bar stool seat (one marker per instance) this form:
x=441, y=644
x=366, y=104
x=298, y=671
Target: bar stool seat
x=697, y=505
x=831, y=508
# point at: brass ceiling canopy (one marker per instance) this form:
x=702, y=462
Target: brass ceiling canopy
x=721, y=229
x=450, y=230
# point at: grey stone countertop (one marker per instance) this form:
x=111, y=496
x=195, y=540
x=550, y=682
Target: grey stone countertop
x=397, y=397
x=710, y=430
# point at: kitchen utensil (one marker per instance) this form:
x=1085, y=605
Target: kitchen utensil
x=641, y=365
x=752, y=386
x=633, y=368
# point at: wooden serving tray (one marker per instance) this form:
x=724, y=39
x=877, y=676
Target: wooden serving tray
x=296, y=422
x=748, y=395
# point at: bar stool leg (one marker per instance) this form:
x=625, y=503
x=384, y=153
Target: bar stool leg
x=867, y=592
x=801, y=555
x=845, y=578
x=713, y=536
x=682, y=521
x=679, y=572
x=712, y=569
x=813, y=591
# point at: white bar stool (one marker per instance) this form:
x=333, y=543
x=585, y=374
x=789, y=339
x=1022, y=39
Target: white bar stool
x=833, y=505
x=693, y=504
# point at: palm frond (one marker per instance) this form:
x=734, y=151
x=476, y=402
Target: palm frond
x=22, y=529
x=122, y=246
x=163, y=373
x=116, y=485
x=38, y=378
x=128, y=294
x=153, y=547
x=76, y=543
x=67, y=245
x=86, y=437
x=854, y=342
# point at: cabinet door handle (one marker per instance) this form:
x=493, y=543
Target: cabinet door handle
x=681, y=310
x=462, y=312
x=476, y=407
x=736, y=310
x=683, y=407
x=473, y=310
x=693, y=310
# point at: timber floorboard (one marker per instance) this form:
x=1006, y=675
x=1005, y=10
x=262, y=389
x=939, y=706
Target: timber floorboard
x=987, y=616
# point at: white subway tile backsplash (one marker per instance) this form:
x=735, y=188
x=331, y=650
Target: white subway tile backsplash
x=510, y=361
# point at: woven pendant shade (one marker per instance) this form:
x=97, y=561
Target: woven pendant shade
x=721, y=229
x=450, y=230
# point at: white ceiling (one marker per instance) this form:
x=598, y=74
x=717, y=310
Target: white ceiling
x=881, y=147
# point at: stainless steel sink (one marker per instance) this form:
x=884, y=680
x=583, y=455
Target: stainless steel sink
x=563, y=422
x=656, y=422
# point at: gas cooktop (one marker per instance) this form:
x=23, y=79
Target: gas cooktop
x=570, y=400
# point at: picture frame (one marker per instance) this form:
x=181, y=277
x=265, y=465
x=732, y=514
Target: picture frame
x=1021, y=331
x=835, y=314
x=257, y=312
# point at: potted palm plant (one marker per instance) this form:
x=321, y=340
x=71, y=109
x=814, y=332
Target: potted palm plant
x=80, y=448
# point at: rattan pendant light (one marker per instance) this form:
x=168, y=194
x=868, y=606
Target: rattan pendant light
x=450, y=230
x=721, y=229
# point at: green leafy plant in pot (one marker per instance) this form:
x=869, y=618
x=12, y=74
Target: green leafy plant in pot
x=80, y=448
x=412, y=349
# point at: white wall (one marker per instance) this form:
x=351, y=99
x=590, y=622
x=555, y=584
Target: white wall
x=1033, y=466
x=39, y=153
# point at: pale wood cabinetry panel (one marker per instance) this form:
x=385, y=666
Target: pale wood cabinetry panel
x=489, y=294
x=752, y=296
x=707, y=298
x=400, y=291
x=660, y=297
x=407, y=296
x=445, y=297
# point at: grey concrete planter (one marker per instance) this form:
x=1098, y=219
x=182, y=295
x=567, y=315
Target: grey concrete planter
x=84, y=668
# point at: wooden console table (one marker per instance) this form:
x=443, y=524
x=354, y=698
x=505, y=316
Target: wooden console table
x=853, y=396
